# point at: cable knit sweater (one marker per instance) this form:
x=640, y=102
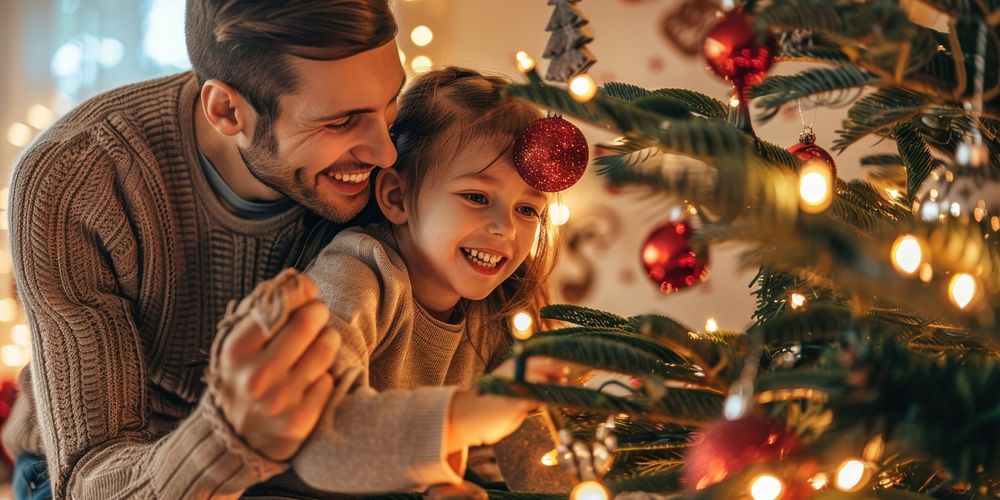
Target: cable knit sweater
x=408, y=365
x=125, y=260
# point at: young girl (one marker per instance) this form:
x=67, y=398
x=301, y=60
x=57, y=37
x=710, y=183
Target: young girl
x=422, y=302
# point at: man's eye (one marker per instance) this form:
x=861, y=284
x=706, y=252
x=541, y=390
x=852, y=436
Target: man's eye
x=340, y=125
x=477, y=198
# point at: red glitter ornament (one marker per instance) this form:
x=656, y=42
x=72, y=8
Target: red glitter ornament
x=807, y=150
x=735, y=52
x=551, y=154
x=726, y=447
x=670, y=259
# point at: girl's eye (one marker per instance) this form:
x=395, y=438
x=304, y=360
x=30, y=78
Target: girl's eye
x=477, y=198
x=341, y=125
x=529, y=211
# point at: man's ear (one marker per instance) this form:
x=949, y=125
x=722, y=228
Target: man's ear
x=225, y=109
x=389, y=196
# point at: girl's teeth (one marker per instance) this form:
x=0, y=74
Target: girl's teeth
x=482, y=258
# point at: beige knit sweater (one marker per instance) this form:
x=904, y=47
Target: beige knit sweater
x=389, y=433
x=126, y=259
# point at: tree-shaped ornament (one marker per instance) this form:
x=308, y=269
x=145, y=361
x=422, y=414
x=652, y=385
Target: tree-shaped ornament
x=566, y=49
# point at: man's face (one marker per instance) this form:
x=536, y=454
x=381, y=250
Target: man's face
x=332, y=132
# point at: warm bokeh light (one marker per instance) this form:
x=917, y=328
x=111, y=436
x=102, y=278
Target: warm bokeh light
x=906, y=254
x=40, y=117
x=19, y=134
x=421, y=64
x=815, y=187
x=589, y=490
x=558, y=213
x=8, y=310
x=551, y=458
x=850, y=475
x=522, y=326
x=962, y=289
x=421, y=36
x=582, y=88
x=766, y=487
x=21, y=334
x=926, y=272
x=14, y=356
x=819, y=481
x=734, y=102
x=524, y=62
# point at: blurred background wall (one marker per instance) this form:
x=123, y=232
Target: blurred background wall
x=56, y=53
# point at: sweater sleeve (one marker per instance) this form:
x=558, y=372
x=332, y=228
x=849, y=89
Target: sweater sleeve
x=74, y=245
x=369, y=442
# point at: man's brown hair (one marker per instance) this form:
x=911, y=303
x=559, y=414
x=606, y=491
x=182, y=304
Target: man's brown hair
x=244, y=43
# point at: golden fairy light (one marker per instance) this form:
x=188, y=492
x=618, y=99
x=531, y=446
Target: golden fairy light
x=551, y=458
x=421, y=64
x=559, y=213
x=711, y=326
x=796, y=300
x=40, y=117
x=19, y=134
x=962, y=289
x=819, y=481
x=589, y=490
x=815, y=186
x=21, y=335
x=766, y=487
x=522, y=326
x=421, y=36
x=906, y=254
x=734, y=102
x=524, y=62
x=582, y=88
x=850, y=475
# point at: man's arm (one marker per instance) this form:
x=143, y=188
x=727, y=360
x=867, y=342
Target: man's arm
x=71, y=241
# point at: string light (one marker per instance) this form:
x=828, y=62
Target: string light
x=421, y=36
x=589, y=490
x=766, y=487
x=711, y=326
x=819, y=481
x=815, y=187
x=522, y=326
x=40, y=117
x=19, y=134
x=906, y=254
x=926, y=272
x=582, y=88
x=850, y=475
x=797, y=300
x=21, y=335
x=12, y=355
x=551, y=458
x=8, y=310
x=962, y=289
x=524, y=62
x=734, y=102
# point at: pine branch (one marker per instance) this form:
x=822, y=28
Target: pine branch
x=877, y=112
x=917, y=156
x=631, y=339
x=820, y=323
x=696, y=103
x=561, y=395
x=583, y=316
x=624, y=160
x=778, y=90
x=615, y=353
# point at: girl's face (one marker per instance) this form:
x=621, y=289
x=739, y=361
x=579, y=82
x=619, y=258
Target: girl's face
x=474, y=226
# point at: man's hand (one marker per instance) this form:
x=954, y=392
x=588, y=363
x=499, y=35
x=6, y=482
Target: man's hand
x=478, y=419
x=272, y=368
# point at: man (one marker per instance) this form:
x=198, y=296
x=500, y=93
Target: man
x=142, y=213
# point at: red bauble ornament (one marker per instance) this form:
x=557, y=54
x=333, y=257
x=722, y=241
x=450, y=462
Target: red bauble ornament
x=551, y=154
x=807, y=150
x=736, y=53
x=670, y=259
x=726, y=447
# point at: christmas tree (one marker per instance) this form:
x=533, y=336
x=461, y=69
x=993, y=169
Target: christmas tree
x=872, y=368
x=566, y=48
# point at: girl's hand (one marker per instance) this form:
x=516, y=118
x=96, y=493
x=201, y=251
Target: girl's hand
x=477, y=419
x=542, y=369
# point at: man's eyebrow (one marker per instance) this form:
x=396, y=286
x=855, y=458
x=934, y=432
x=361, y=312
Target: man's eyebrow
x=357, y=111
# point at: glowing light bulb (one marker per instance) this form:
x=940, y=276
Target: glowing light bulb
x=551, y=458
x=850, y=475
x=558, y=213
x=926, y=272
x=962, y=289
x=734, y=102
x=421, y=64
x=40, y=117
x=21, y=335
x=797, y=300
x=19, y=134
x=589, y=490
x=524, y=62
x=766, y=487
x=819, y=481
x=906, y=254
x=711, y=326
x=12, y=355
x=421, y=36
x=815, y=187
x=522, y=326
x=582, y=88
x=8, y=310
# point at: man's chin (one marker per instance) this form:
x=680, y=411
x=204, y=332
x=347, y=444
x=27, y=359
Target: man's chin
x=338, y=212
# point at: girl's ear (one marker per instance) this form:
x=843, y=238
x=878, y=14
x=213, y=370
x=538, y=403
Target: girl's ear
x=389, y=196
